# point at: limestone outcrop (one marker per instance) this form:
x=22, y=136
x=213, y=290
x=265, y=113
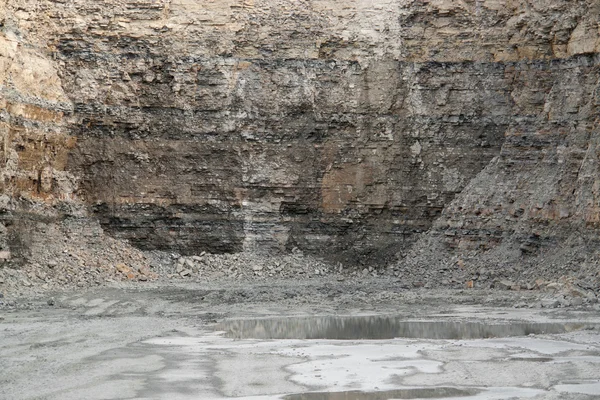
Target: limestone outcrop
x=373, y=132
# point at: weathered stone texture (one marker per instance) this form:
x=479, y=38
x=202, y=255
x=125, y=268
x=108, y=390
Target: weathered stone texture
x=344, y=128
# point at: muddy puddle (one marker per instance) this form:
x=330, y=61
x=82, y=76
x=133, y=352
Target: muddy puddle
x=383, y=327
x=420, y=393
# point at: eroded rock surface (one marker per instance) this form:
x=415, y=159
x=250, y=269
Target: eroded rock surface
x=347, y=129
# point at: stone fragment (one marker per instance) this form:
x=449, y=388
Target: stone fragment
x=586, y=284
x=540, y=283
x=144, y=270
x=122, y=268
x=51, y=301
x=550, y=303
x=577, y=301
x=185, y=272
x=504, y=284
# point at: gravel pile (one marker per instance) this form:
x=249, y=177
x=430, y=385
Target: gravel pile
x=75, y=253
x=240, y=266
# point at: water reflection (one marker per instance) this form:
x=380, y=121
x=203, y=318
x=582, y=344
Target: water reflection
x=381, y=327
x=422, y=393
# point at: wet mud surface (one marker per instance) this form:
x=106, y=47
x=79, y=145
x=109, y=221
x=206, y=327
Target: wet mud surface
x=295, y=341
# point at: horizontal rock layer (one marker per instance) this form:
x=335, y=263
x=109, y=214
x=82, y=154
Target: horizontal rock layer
x=347, y=129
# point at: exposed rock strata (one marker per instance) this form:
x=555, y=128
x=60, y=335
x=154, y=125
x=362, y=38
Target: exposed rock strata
x=347, y=129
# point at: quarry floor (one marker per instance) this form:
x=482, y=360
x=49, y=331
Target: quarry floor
x=166, y=341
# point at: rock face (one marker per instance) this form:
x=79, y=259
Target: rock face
x=351, y=129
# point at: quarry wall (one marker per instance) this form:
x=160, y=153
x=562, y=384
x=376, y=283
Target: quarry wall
x=364, y=131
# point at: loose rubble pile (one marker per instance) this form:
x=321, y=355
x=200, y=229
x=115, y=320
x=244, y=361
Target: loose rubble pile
x=74, y=253
x=77, y=254
x=114, y=262
x=241, y=266
x=563, y=291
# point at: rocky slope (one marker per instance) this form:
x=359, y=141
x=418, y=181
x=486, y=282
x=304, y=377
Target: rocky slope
x=435, y=135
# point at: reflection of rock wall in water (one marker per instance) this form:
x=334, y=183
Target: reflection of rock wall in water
x=344, y=128
x=379, y=327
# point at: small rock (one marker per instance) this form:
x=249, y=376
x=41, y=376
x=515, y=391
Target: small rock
x=552, y=286
x=180, y=268
x=565, y=302
x=257, y=268
x=550, y=303
x=50, y=301
x=586, y=284
x=577, y=301
x=124, y=269
x=52, y=264
x=365, y=271
x=504, y=284
x=540, y=283
x=185, y=272
x=575, y=292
